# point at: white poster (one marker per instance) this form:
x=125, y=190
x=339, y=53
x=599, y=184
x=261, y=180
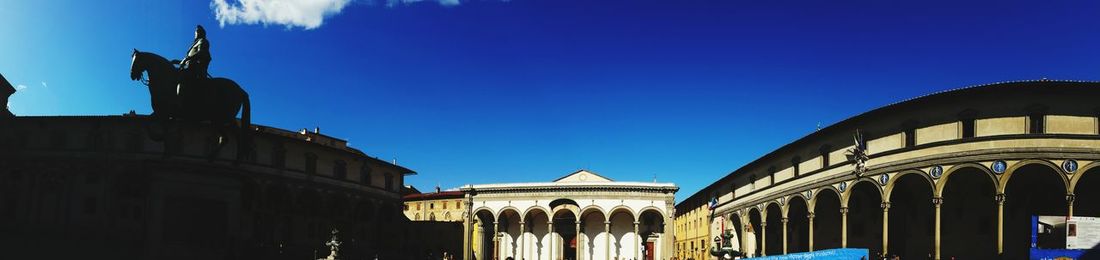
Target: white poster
x=1082, y=232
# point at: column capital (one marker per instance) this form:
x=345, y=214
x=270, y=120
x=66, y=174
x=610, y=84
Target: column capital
x=763, y=224
x=1070, y=198
x=607, y=222
x=937, y=201
x=999, y=198
x=636, y=223
x=521, y=222
x=784, y=221
x=885, y=205
x=844, y=210
x=810, y=216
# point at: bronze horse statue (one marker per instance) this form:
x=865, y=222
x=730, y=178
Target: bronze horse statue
x=214, y=100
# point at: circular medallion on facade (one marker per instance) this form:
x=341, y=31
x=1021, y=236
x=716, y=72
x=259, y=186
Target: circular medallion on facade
x=1070, y=166
x=936, y=171
x=884, y=178
x=999, y=167
x=809, y=194
x=843, y=186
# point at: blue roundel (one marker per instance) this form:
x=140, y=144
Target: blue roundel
x=1069, y=166
x=843, y=186
x=999, y=167
x=936, y=171
x=884, y=178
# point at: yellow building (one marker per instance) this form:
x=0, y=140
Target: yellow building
x=444, y=206
x=692, y=225
x=954, y=174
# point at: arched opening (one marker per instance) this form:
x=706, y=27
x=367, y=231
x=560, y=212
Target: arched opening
x=826, y=220
x=774, y=229
x=565, y=235
x=753, y=233
x=1032, y=190
x=798, y=225
x=865, y=218
x=508, y=234
x=622, y=234
x=535, y=235
x=593, y=234
x=968, y=217
x=483, y=235
x=911, y=220
x=652, y=231
x=1087, y=192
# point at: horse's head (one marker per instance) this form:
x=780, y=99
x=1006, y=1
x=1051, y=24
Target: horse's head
x=135, y=69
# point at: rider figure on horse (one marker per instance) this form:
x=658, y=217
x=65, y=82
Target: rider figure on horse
x=193, y=67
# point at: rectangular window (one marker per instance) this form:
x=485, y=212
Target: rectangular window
x=1036, y=123
x=910, y=137
x=444, y=205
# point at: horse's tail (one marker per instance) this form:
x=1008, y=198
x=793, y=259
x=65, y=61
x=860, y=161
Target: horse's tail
x=244, y=140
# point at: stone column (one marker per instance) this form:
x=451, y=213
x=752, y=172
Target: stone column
x=1069, y=204
x=936, y=202
x=811, y=228
x=522, y=233
x=784, y=235
x=764, y=237
x=468, y=252
x=843, y=227
x=885, y=227
x=607, y=239
x=550, y=231
x=496, y=240
x=1000, y=198
x=579, y=241
x=637, y=241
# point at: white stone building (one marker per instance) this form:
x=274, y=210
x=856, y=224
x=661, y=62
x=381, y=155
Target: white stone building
x=618, y=220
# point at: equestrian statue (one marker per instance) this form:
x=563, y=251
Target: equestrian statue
x=187, y=93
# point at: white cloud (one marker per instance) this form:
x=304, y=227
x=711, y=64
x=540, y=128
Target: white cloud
x=307, y=14
x=20, y=87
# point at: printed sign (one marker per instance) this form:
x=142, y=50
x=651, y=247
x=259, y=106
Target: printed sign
x=1082, y=232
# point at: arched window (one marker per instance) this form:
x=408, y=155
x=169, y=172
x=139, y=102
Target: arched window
x=364, y=174
x=278, y=156
x=431, y=217
x=311, y=163
x=340, y=169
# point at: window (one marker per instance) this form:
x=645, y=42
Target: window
x=444, y=205
x=1035, y=122
x=1036, y=115
x=794, y=165
x=771, y=175
x=340, y=169
x=364, y=174
x=458, y=204
x=910, y=128
x=966, y=118
x=752, y=181
x=311, y=163
x=418, y=206
x=389, y=181
x=278, y=156
x=824, y=150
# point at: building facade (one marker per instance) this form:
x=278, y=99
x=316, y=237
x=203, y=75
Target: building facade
x=955, y=174
x=443, y=206
x=580, y=216
x=104, y=188
x=693, y=230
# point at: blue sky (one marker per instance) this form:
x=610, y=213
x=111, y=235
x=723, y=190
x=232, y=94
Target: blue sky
x=528, y=90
